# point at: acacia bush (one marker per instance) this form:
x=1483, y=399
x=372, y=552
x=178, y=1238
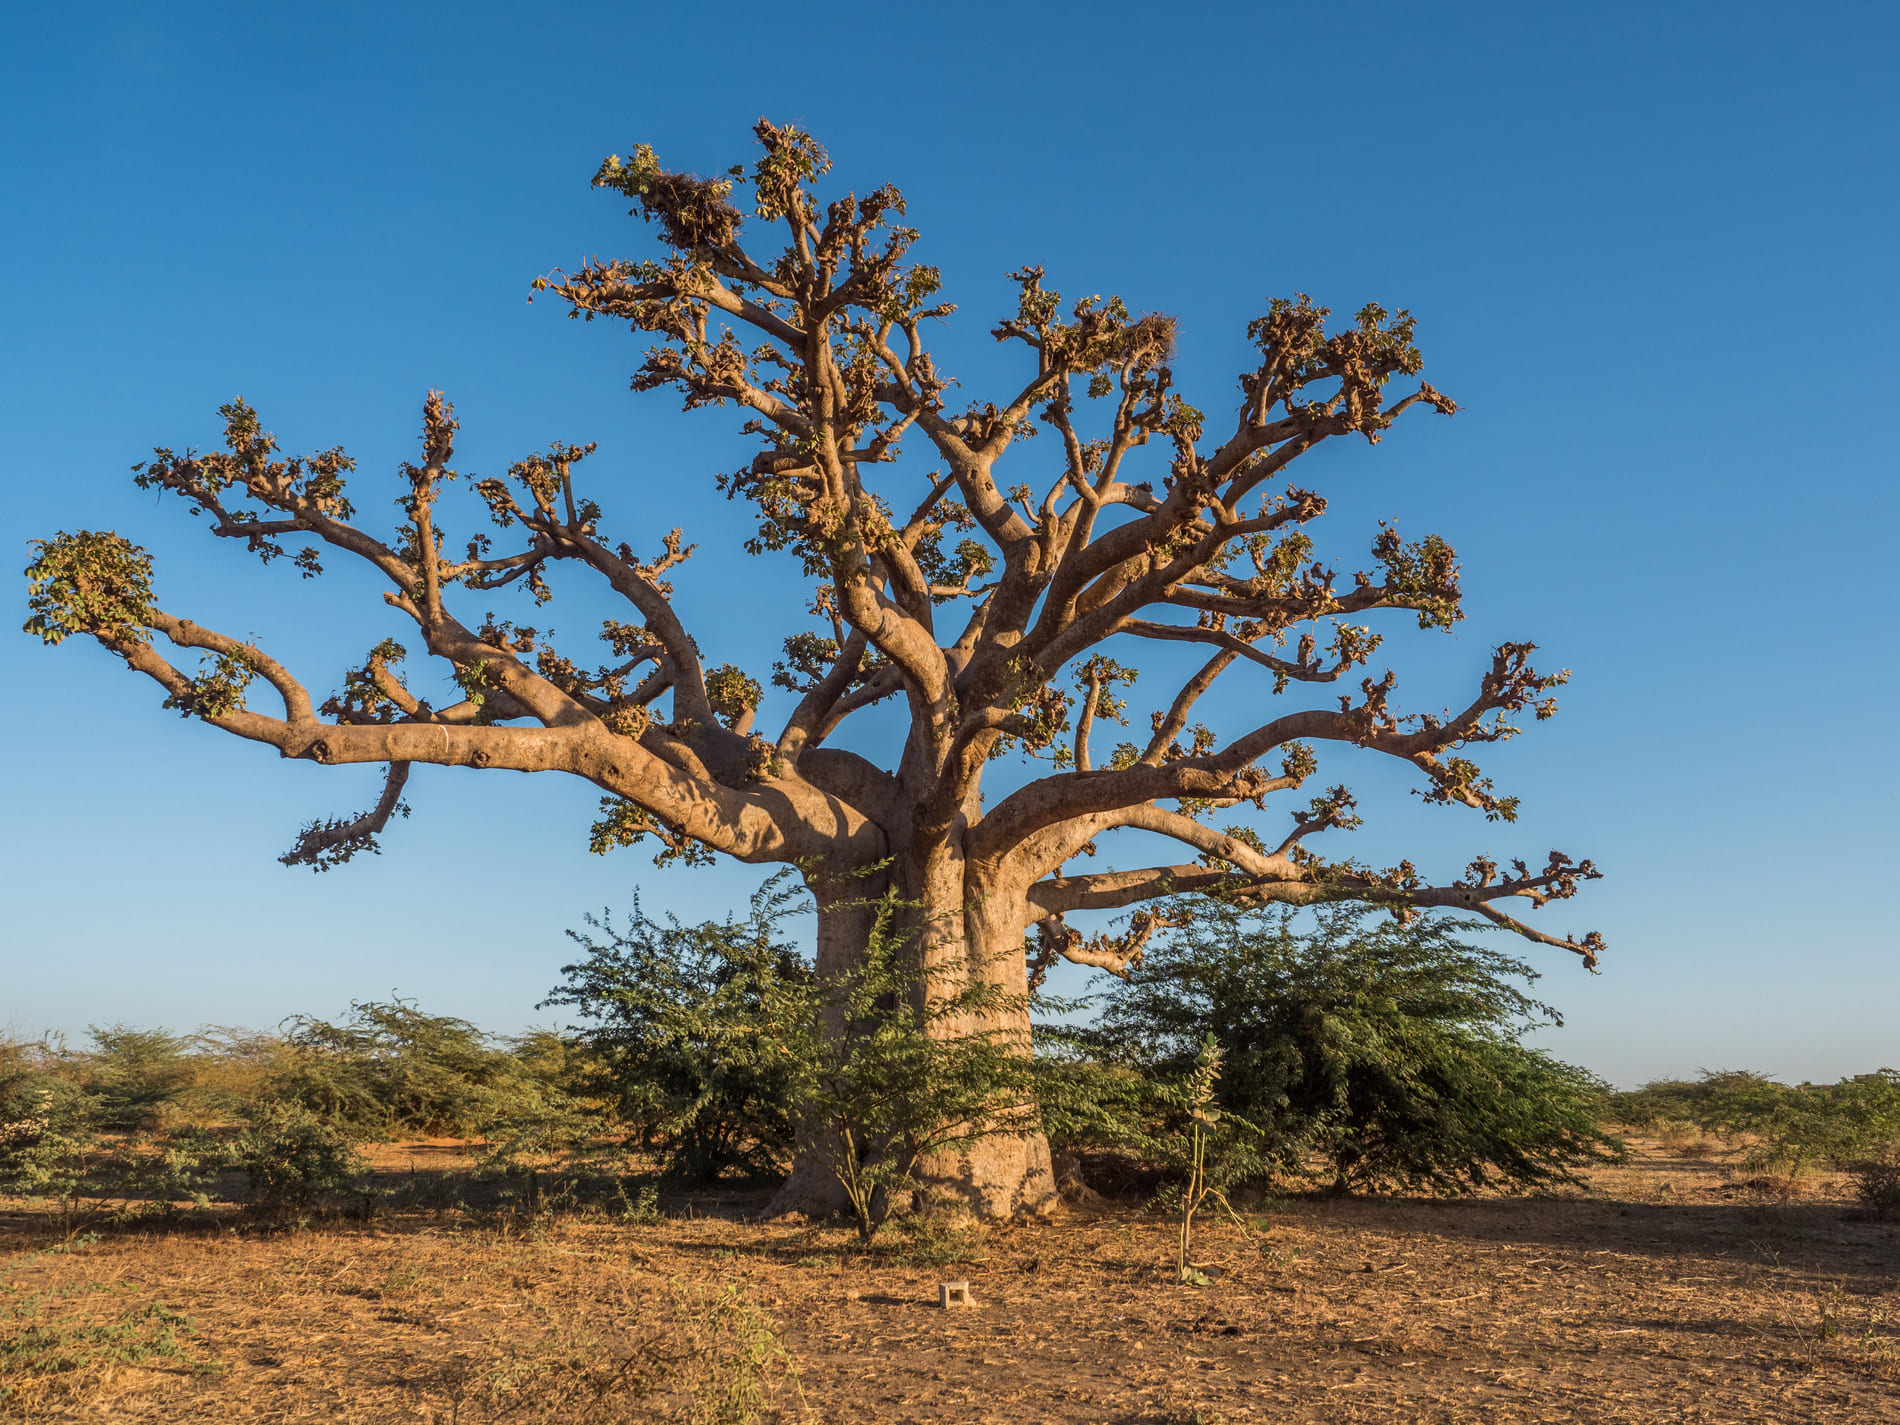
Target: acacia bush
x=1853, y=1124
x=674, y=1027
x=45, y=1126
x=388, y=1067
x=1365, y=1053
x=721, y=1048
x=132, y=1076
x=128, y=1078
x=291, y=1158
x=1877, y=1181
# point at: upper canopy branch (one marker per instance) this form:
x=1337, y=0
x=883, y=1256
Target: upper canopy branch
x=1304, y=668
x=1231, y=772
x=808, y=316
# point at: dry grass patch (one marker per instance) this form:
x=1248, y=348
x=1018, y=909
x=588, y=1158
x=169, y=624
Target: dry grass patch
x=1666, y=1294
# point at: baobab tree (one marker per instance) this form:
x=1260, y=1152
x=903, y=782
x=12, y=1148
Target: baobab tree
x=968, y=583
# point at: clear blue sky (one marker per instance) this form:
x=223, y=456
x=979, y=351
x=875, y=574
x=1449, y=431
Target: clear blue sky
x=1651, y=250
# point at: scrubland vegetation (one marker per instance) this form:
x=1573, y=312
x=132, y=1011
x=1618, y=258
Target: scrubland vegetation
x=1355, y=1055
x=565, y=1225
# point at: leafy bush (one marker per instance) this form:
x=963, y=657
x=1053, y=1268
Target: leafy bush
x=1096, y=1104
x=721, y=1047
x=1877, y=1183
x=1389, y=1053
x=1659, y=1102
x=674, y=1015
x=1784, y=1128
x=45, y=1125
x=292, y=1158
x=390, y=1067
x=1720, y=1101
x=131, y=1075
x=232, y=1071
x=143, y=1119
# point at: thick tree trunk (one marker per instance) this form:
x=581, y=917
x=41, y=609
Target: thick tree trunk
x=997, y=1178
x=976, y=931
x=811, y=1189
x=1005, y=1176
x=844, y=928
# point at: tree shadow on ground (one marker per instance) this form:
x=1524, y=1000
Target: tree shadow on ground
x=1828, y=1235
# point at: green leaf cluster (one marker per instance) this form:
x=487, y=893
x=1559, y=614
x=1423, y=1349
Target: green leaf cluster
x=219, y=690
x=90, y=582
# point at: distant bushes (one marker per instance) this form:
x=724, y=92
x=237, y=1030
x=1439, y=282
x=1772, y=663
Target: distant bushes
x=388, y=1067
x=132, y=1075
x=1853, y=1125
x=151, y=1115
x=45, y=1122
x=1354, y=1054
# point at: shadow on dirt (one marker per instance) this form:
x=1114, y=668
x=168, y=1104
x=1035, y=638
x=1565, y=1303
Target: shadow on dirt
x=1822, y=1236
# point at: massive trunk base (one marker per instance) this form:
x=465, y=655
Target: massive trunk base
x=995, y=1179
x=811, y=1190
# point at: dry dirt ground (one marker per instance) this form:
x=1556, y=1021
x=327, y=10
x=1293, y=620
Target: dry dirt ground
x=1671, y=1292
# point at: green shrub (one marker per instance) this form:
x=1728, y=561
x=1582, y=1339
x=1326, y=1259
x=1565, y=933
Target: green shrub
x=390, y=1067
x=1096, y=1104
x=132, y=1075
x=1659, y=1102
x=1390, y=1054
x=721, y=1047
x=1212, y=1150
x=45, y=1124
x=294, y=1159
x=144, y=1173
x=232, y=1070
x=672, y=1017
x=289, y=1156
x=1787, y=1128
x=1877, y=1183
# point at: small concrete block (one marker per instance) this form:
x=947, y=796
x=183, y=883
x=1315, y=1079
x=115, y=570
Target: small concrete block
x=955, y=1294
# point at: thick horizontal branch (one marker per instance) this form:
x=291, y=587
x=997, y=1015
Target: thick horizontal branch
x=768, y=820
x=1113, y=890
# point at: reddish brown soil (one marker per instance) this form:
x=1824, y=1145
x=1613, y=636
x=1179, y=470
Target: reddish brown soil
x=1672, y=1293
